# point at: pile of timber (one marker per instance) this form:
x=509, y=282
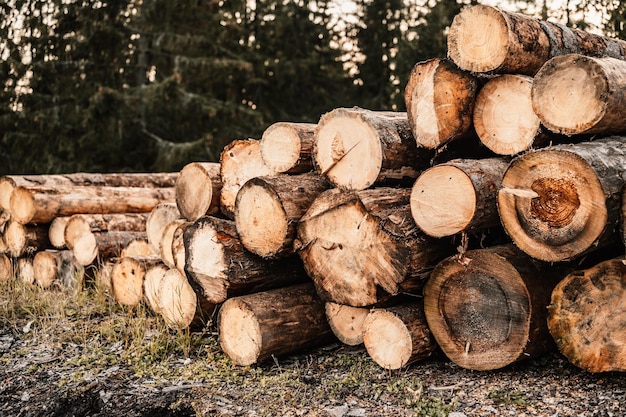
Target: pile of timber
x=486, y=221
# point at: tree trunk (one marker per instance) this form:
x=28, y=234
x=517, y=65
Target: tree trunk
x=587, y=317
x=22, y=239
x=575, y=94
x=6, y=268
x=357, y=148
x=239, y=161
x=80, y=224
x=346, y=322
x=439, y=100
x=198, y=190
x=160, y=216
x=487, y=308
x=488, y=40
x=287, y=147
x=397, y=336
x=458, y=196
x=559, y=203
x=57, y=266
x=219, y=267
x=95, y=247
x=267, y=210
x=255, y=327
x=128, y=275
x=362, y=247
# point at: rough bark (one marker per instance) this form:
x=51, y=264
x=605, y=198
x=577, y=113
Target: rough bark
x=255, y=327
x=198, y=190
x=127, y=278
x=95, y=247
x=346, y=322
x=158, y=219
x=21, y=239
x=286, y=147
x=80, y=224
x=559, y=203
x=57, y=266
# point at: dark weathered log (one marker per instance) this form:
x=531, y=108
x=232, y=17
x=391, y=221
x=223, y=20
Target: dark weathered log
x=57, y=266
x=198, y=190
x=488, y=40
x=128, y=275
x=487, y=308
x=576, y=94
x=362, y=247
x=458, y=196
x=6, y=268
x=564, y=201
x=95, y=247
x=287, y=147
x=219, y=267
x=397, y=336
x=267, y=210
x=587, y=317
x=80, y=224
x=346, y=322
x=258, y=326
x=439, y=100
x=160, y=216
x=23, y=239
x=357, y=148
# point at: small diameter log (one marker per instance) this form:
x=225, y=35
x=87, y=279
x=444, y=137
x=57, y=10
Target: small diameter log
x=160, y=216
x=152, y=286
x=178, y=304
x=587, y=317
x=219, y=267
x=42, y=205
x=56, y=232
x=26, y=270
x=198, y=190
x=357, y=148
x=167, y=241
x=458, y=196
x=485, y=39
x=287, y=147
x=559, y=203
x=346, y=322
x=95, y=247
x=128, y=275
x=5, y=216
x=267, y=210
x=3, y=246
x=137, y=247
x=487, y=308
x=575, y=94
x=179, y=256
x=80, y=224
x=362, y=247
x=25, y=238
x=397, y=336
x=439, y=100
x=126, y=179
x=239, y=161
x=6, y=268
x=57, y=266
x=279, y=322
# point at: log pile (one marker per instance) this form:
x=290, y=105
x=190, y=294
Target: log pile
x=485, y=221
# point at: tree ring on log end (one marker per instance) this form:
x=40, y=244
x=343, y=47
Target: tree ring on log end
x=387, y=339
x=22, y=205
x=194, y=191
x=280, y=147
x=177, y=301
x=239, y=332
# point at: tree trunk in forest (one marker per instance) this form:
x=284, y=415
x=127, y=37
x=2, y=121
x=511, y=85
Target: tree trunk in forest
x=487, y=308
x=219, y=267
x=485, y=39
x=346, y=322
x=96, y=247
x=397, y=336
x=198, y=190
x=458, y=196
x=128, y=275
x=287, y=147
x=576, y=94
x=22, y=239
x=258, y=326
x=587, y=317
x=357, y=148
x=6, y=268
x=559, y=203
x=81, y=224
x=439, y=100
x=57, y=266
x=160, y=216
x=361, y=247
x=267, y=211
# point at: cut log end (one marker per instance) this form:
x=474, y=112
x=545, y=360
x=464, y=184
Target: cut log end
x=239, y=332
x=346, y=322
x=160, y=216
x=127, y=281
x=195, y=194
x=177, y=301
x=6, y=268
x=283, y=145
x=22, y=205
x=152, y=286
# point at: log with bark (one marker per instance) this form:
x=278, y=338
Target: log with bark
x=57, y=266
x=267, y=210
x=273, y=323
x=559, y=203
x=575, y=94
x=95, y=247
x=219, y=267
x=587, y=317
x=439, y=100
x=128, y=275
x=487, y=308
x=84, y=224
x=21, y=239
x=346, y=322
x=126, y=179
x=286, y=147
x=361, y=247
x=198, y=190
x=485, y=39
x=458, y=196
x=160, y=216
x=357, y=148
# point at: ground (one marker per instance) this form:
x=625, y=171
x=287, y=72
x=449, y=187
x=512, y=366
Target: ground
x=80, y=354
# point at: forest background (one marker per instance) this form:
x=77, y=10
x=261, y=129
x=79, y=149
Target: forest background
x=150, y=85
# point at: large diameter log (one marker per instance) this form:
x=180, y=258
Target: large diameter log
x=95, y=247
x=267, y=211
x=361, y=247
x=6, y=268
x=258, y=326
x=239, y=161
x=458, y=196
x=57, y=266
x=287, y=147
x=198, y=190
x=80, y=224
x=128, y=275
x=21, y=239
x=357, y=148
x=559, y=203
x=587, y=317
x=219, y=267
x=485, y=39
x=397, y=336
x=439, y=100
x=160, y=216
x=576, y=94
x=487, y=308
x=42, y=205
x=346, y=322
